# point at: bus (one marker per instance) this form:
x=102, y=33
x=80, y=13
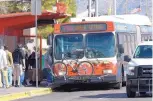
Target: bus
x=146, y=33
x=96, y=50
x=143, y=32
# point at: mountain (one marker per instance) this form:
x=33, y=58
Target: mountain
x=121, y=7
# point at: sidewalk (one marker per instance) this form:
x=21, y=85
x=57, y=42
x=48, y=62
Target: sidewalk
x=14, y=93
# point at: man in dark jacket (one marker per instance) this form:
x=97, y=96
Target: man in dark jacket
x=19, y=64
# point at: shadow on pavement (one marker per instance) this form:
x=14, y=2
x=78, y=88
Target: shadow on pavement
x=113, y=95
x=109, y=95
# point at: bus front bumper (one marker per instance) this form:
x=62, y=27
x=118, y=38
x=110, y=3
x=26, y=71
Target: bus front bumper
x=85, y=79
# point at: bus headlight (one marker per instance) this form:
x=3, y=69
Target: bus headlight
x=108, y=71
x=130, y=70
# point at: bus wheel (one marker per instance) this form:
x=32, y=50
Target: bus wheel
x=123, y=82
x=118, y=85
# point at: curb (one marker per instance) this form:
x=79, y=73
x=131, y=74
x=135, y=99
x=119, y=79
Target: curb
x=27, y=94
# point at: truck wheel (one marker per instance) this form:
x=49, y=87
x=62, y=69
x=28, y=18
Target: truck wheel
x=130, y=94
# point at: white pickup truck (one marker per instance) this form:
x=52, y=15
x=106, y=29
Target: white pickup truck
x=139, y=73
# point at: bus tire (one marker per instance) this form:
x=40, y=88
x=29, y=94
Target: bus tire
x=118, y=85
x=123, y=82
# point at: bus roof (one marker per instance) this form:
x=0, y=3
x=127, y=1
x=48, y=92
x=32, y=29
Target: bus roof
x=129, y=19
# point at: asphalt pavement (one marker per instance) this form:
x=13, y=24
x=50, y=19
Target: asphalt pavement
x=90, y=93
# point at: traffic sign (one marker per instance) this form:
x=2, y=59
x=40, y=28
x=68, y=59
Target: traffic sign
x=36, y=7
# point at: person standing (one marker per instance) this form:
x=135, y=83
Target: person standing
x=3, y=68
x=32, y=63
x=19, y=64
x=26, y=78
x=9, y=65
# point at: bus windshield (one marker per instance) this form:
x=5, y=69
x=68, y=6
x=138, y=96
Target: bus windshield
x=143, y=51
x=100, y=45
x=69, y=46
x=73, y=46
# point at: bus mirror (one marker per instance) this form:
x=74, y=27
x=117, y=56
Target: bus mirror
x=50, y=39
x=121, y=49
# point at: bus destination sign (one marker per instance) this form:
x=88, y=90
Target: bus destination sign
x=83, y=27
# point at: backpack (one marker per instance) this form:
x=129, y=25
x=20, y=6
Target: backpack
x=31, y=59
x=8, y=57
x=17, y=57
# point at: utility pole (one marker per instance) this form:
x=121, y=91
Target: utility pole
x=96, y=8
x=89, y=8
x=36, y=10
x=36, y=24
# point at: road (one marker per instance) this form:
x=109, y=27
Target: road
x=94, y=94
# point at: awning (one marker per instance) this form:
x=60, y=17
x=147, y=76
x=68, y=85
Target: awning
x=20, y=21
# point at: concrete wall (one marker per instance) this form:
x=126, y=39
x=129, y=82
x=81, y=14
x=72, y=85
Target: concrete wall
x=10, y=41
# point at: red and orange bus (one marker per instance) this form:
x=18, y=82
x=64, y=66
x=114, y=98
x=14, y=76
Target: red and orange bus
x=92, y=51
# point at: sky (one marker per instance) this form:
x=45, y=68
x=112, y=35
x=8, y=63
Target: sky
x=104, y=5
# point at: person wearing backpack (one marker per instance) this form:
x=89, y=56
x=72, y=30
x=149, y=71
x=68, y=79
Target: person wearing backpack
x=19, y=64
x=32, y=64
x=26, y=78
x=10, y=65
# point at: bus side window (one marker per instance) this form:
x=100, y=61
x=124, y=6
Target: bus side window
x=141, y=37
x=150, y=38
x=126, y=44
x=132, y=42
x=129, y=44
x=135, y=41
x=120, y=41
